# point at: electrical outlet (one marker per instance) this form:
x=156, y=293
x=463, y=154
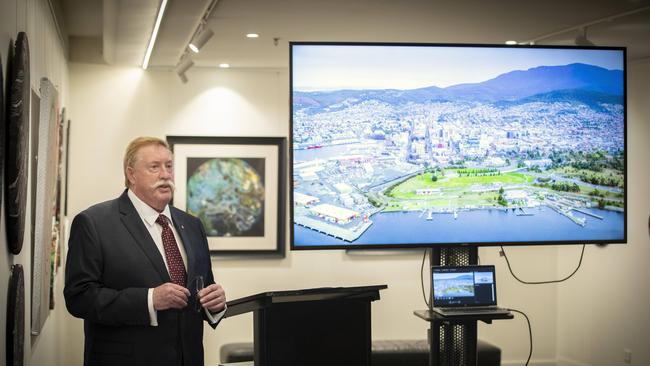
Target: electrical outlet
x=627, y=356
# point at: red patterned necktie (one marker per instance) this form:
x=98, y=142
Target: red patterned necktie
x=173, y=255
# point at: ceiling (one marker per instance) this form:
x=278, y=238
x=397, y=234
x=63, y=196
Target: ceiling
x=117, y=31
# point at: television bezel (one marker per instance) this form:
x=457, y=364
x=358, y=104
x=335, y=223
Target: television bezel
x=292, y=244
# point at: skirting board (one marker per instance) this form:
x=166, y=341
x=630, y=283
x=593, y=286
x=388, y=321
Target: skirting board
x=533, y=362
x=562, y=361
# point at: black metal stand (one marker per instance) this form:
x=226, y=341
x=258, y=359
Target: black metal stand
x=453, y=343
x=453, y=340
x=454, y=256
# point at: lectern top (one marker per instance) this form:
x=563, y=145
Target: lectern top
x=265, y=299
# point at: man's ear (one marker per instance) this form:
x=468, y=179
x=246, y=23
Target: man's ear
x=130, y=175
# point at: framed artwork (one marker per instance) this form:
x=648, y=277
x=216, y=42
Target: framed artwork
x=236, y=186
x=66, y=168
x=46, y=229
x=15, y=332
x=17, y=148
x=58, y=227
x=2, y=125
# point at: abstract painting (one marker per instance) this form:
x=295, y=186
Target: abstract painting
x=46, y=231
x=235, y=186
x=239, y=186
x=17, y=149
x=15, y=331
x=2, y=126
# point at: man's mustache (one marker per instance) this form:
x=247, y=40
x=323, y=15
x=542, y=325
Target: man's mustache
x=164, y=183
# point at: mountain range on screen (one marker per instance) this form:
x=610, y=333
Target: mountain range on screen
x=577, y=82
x=463, y=277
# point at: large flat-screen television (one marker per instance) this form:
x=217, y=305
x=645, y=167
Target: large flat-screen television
x=418, y=145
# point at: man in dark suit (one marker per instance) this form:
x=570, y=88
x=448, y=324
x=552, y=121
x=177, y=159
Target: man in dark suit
x=133, y=267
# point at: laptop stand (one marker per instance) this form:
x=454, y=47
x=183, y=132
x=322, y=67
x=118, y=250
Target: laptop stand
x=452, y=340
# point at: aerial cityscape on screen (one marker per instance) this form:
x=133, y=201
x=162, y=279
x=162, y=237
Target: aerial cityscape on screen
x=452, y=285
x=408, y=145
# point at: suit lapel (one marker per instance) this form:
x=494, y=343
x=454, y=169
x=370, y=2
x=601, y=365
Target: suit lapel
x=134, y=225
x=181, y=228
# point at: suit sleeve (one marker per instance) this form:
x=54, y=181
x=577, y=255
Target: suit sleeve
x=215, y=319
x=86, y=296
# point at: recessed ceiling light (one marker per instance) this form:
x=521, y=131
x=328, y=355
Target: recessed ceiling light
x=224, y=66
x=511, y=43
x=252, y=35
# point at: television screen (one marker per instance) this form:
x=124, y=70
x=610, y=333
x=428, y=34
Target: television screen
x=413, y=145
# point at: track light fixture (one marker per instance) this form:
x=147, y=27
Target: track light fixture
x=200, y=39
x=581, y=38
x=182, y=67
x=202, y=34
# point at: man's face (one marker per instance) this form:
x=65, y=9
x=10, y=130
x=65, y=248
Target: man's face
x=152, y=176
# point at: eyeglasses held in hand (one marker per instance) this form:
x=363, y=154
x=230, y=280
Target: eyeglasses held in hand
x=198, y=286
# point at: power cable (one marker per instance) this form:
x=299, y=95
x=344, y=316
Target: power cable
x=422, y=278
x=503, y=252
x=530, y=333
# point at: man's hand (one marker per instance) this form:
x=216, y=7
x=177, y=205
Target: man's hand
x=170, y=296
x=213, y=298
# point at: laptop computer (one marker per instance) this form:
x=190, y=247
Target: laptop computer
x=465, y=291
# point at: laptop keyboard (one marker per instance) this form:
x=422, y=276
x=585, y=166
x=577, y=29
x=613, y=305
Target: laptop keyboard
x=475, y=309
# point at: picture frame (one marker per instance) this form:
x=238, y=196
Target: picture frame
x=45, y=239
x=236, y=186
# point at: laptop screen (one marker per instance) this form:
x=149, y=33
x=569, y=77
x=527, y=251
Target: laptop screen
x=463, y=286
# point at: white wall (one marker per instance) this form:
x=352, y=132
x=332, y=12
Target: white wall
x=46, y=60
x=112, y=105
x=604, y=310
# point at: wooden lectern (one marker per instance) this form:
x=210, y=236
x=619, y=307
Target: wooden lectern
x=320, y=326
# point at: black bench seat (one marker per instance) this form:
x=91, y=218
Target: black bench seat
x=384, y=353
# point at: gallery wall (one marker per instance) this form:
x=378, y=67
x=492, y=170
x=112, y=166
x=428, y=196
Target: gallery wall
x=602, y=312
x=112, y=105
x=46, y=60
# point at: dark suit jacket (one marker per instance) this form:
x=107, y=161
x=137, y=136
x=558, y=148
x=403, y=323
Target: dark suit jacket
x=112, y=262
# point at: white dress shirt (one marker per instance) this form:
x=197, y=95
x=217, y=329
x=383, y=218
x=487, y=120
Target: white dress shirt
x=149, y=216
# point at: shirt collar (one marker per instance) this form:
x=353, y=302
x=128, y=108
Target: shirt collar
x=146, y=212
